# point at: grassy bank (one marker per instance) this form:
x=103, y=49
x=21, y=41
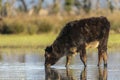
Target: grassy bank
x=42, y=40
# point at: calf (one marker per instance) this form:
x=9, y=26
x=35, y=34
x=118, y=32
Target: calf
x=78, y=35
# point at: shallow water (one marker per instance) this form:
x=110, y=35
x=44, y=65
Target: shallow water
x=30, y=66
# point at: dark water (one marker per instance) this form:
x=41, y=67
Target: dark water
x=30, y=66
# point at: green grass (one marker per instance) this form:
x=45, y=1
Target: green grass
x=42, y=40
x=26, y=40
x=114, y=41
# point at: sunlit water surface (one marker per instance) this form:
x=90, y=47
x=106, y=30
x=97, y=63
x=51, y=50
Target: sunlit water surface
x=30, y=66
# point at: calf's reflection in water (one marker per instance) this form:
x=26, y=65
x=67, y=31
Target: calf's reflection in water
x=83, y=75
x=103, y=73
x=68, y=74
x=53, y=74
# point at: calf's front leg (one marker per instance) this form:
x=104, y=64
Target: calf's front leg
x=83, y=56
x=83, y=59
x=68, y=59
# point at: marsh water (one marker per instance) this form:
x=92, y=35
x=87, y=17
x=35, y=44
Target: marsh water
x=30, y=66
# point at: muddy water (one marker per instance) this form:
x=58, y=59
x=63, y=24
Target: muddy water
x=30, y=66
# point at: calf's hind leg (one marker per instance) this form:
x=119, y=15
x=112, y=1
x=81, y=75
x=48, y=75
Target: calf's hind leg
x=100, y=58
x=105, y=58
x=102, y=55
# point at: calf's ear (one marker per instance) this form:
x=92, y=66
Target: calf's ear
x=48, y=49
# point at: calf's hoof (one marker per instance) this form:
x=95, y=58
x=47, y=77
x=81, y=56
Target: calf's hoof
x=105, y=65
x=98, y=65
x=66, y=66
x=85, y=66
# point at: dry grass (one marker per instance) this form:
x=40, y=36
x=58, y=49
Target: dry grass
x=58, y=21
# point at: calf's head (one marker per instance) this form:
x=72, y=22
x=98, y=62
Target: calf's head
x=50, y=56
